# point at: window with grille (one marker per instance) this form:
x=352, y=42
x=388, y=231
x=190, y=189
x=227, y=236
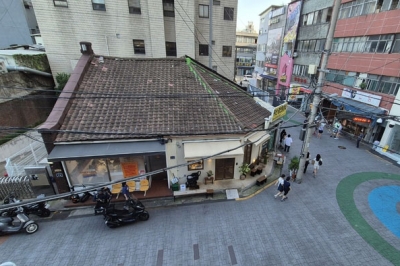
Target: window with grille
x=203, y=49
x=228, y=13
x=227, y=51
x=138, y=47
x=203, y=11
x=170, y=48
x=134, y=7
x=99, y=5
x=169, y=9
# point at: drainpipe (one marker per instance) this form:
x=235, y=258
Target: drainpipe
x=30, y=70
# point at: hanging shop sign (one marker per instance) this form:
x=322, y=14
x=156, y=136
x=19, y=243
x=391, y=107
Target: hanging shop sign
x=363, y=97
x=361, y=119
x=279, y=111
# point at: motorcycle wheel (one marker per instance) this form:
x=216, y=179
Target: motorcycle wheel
x=32, y=228
x=111, y=226
x=144, y=216
x=4, y=214
x=45, y=213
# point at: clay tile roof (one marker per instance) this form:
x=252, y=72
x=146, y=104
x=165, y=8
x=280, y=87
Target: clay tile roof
x=142, y=98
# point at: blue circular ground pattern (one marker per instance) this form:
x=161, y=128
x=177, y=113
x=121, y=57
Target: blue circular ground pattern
x=383, y=202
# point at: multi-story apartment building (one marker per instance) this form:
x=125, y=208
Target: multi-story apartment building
x=364, y=77
x=17, y=23
x=313, y=29
x=272, y=22
x=139, y=29
x=246, y=46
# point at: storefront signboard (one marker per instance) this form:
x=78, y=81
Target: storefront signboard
x=363, y=97
x=279, y=111
x=130, y=169
x=361, y=119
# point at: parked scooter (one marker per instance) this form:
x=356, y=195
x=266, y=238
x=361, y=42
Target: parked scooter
x=133, y=211
x=9, y=225
x=40, y=209
x=83, y=197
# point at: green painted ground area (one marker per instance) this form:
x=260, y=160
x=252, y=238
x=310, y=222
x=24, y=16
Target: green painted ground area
x=345, y=198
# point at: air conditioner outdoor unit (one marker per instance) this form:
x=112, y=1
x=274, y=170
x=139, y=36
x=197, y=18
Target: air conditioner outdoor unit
x=295, y=54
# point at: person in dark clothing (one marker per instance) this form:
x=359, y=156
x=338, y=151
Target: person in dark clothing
x=307, y=162
x=359, y=138
x=286, y=188
x=282, y=137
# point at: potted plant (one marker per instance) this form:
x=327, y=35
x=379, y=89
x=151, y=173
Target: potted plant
x=363, y=85
x=294, y=167
x=210, y=173
x=244, y=169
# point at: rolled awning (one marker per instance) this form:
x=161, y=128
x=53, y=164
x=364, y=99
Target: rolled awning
x=97, y=150
x=259, y=137
x=227, y=148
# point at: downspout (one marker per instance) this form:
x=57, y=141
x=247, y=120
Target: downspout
x=27, y=69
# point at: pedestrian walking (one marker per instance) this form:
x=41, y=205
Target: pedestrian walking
x=321, y=128
x=317, y=163
x=280, y=183
x=338, y=127
x=307, y=162
x=359, y=138
x=288, y=142
x=286, y=188
x=282, y=137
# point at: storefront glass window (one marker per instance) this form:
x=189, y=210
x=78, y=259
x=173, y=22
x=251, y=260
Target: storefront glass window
x=394, y=145
x=95, y=171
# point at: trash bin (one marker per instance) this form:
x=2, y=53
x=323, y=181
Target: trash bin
x=175, y=187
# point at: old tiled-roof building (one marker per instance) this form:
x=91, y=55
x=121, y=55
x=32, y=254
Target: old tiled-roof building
x=122, y=117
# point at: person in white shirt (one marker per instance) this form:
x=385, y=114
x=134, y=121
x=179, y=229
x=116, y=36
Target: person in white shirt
x=321, y=128
x=280, y=182
x=288, y=142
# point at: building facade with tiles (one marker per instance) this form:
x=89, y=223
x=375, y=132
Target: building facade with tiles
x=181, y=118
x=364, y=72
x=139, y=29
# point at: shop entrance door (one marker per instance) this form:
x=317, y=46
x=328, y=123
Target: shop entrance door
x=156, y=162
x=224, y=168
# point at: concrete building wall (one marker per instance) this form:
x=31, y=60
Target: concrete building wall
x=14, y=28
x=112, y=31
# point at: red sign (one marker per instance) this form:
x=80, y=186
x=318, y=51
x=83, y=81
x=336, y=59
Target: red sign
x=270, y=65
x=361, y=119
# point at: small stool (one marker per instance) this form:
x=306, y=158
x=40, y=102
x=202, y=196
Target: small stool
x=210, y=192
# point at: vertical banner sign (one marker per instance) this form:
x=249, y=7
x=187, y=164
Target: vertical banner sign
x=273, y=47
x=292, y=22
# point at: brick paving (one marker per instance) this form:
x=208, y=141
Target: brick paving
x=310, y=228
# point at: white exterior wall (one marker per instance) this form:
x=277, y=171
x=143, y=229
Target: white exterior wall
x=224, y=34
x=111, y=32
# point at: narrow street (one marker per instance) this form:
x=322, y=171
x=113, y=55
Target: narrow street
x=309, y=228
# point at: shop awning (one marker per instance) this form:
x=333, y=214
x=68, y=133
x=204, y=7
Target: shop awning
x=260, y=137
x=356, y=107
x=199, y=149
x=268, y=77
x=97, y=150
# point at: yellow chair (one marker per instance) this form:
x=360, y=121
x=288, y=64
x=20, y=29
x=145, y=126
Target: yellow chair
x=144, y=185
x=131, y=185
x=116, y=189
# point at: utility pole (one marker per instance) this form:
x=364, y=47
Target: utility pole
x=210, y=36
x=318, y=89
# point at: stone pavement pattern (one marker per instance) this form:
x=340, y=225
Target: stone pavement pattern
x=307, y=229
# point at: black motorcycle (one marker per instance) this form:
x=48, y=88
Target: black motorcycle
x=103, y=199
x=133, y=211
x=40, y=209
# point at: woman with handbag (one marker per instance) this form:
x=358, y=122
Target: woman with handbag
x=317, y=163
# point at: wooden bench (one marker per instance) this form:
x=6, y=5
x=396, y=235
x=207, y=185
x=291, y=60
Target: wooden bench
x=200, y=191
x=261, y=180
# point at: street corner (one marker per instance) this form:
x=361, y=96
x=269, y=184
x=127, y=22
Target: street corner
x=383, y=203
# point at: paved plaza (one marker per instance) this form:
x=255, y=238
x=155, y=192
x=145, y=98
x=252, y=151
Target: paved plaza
x=337, y=218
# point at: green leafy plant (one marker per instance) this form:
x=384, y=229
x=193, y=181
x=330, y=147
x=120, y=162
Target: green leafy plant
x=62, y=79
x=209, y=173
x=244, y=169
x=294, y=164
x=363, y=85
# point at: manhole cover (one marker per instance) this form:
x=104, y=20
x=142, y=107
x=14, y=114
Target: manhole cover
x=342, y=147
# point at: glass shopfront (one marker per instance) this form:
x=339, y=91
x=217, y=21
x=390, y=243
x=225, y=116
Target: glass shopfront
x=101, y=170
